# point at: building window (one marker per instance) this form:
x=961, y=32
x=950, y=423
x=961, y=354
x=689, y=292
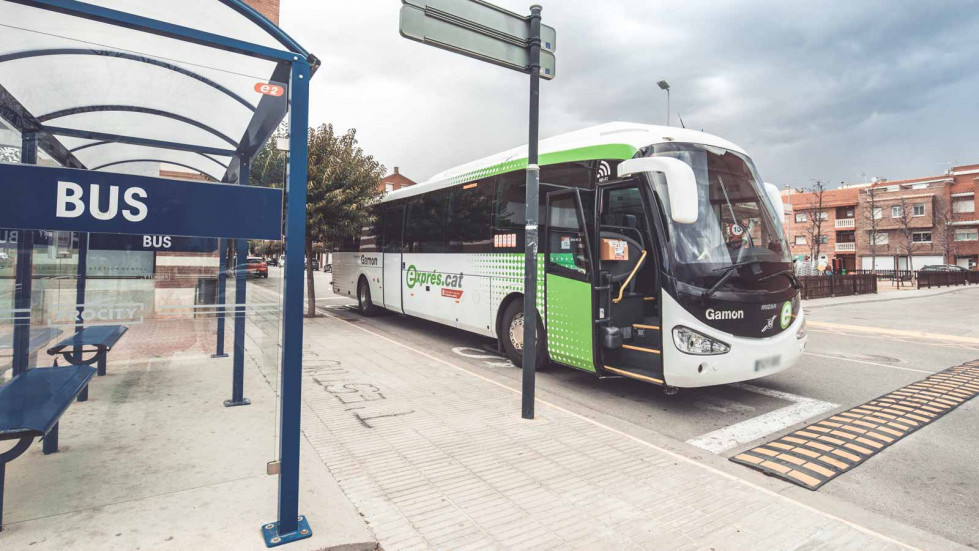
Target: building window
x=919, y=209
x=878, y=213
x=388, y=187
x=881, y=239
x=919, y=186
x=892, y=188
x=963, y=205
x=823, y=215
x=897, y=211
x=824, y=239
x=967, y=235
x=800, y=217
x=921, y=237
x=800, y=240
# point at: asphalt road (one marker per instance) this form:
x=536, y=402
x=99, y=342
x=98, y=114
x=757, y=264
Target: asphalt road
x=856, y=353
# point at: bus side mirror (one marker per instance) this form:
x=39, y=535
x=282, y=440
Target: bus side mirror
x=681, y=183
x=776, y=198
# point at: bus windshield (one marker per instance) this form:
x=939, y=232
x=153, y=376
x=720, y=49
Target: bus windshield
x=736, y=230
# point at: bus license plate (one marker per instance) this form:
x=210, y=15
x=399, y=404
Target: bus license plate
x=767, y=363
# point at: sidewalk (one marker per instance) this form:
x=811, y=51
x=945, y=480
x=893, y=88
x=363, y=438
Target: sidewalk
x=154, y=461
x=885, y=292
x=437, y=457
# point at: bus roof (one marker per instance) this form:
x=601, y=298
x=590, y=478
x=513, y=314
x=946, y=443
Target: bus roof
x=613, y=140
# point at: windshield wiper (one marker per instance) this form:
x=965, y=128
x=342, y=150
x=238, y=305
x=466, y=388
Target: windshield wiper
x=728, y=270
x=790, y=273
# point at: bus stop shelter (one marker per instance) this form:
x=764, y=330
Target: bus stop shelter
x=102, y=97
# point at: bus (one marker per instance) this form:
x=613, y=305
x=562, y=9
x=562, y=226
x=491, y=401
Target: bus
x=662, y=257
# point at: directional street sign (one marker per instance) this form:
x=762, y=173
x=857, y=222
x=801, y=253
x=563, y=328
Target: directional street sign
x=480, y=30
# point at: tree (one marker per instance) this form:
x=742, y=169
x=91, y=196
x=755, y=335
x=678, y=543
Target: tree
x=342, y=186
x=906, y=232
x=874, y=215
x=815, y=216
x=945, y=228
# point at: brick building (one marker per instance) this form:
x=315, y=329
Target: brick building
x=836, y=233
x=395, y=181
x=268, y=8
x=940, y=213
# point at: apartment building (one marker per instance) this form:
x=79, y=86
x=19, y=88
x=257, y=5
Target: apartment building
x=936, y=214
x=835, y=227
x=395, y=181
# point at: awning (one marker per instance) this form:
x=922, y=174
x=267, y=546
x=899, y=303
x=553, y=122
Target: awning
x=105, y=95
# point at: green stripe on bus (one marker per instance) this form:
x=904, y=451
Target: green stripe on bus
x=590, y=153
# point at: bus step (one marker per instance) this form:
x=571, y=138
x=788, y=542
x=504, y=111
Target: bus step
x=646, y=335
x=638, y=362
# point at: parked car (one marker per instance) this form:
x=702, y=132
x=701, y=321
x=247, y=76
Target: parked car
x=256, y=267
x=315, y=264
x=272, y=261
x=943, y=268
x=328, y=268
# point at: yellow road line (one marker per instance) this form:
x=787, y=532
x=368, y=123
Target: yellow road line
x=894, y=332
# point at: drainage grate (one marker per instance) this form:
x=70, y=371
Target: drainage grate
x=813, y=456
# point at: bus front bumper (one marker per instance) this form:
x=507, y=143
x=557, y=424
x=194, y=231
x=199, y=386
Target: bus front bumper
x=749, y=358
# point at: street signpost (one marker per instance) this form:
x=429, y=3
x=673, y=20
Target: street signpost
x=480, y=30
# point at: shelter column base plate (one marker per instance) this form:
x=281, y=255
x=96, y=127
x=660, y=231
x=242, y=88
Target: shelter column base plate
x=232, y=403
x=219, y=355
x=273, y=538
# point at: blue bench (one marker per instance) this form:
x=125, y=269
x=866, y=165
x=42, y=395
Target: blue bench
x=98, y=339
x=31, y=405
x=38, y=337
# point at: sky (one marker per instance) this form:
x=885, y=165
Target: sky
x=831, y=90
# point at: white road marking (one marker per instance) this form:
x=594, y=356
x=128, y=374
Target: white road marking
x=728, y=437
x=870, y=363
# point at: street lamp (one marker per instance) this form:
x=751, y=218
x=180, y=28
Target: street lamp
x=663, y=85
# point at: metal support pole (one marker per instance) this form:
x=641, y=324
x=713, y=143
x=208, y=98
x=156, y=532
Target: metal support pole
x=24, y=274
x=667, y=107
x=530, y=255
x=222, y=287
x=241, y=280
x=80, y=300
x=291, y=525
x=49, y=444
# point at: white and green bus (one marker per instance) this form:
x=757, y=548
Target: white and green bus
x=663, y=257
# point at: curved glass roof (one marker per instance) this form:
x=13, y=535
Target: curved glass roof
x=116, y=85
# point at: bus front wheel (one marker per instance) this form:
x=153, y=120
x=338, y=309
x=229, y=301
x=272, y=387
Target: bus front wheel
x=364, y=304
x=512, y=336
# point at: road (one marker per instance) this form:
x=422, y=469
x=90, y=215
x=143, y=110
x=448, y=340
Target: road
x=856, y=353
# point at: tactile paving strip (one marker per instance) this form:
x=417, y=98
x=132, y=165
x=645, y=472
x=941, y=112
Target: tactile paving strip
x=813, y=456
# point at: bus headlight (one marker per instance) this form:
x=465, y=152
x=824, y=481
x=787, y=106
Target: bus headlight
x=690, y=341
x=802, y=332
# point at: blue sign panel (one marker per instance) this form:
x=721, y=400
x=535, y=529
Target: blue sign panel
x=37, y=197
x=125, y=242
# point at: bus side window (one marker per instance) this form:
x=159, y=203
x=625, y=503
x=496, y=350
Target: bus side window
x=511, y=205
x=392, y=224
x=425, y=227
x=469, y=228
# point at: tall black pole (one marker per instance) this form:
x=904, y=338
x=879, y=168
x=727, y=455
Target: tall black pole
x=530, y=255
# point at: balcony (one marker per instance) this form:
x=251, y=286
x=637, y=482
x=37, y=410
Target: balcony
x=846, y=247
x=845, y=223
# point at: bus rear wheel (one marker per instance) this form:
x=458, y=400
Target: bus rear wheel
x=511, y=334
x=364, y=304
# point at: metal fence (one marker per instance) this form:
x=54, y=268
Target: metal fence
x=837, y=285
x=927, y=280
x=890, y=275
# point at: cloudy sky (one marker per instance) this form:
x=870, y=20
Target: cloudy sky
x=834, y=90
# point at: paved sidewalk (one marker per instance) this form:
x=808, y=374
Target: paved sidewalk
x=437, y=457
x=885, y=294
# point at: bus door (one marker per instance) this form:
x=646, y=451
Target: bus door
x=629, y=322
x=568, y=286
x=392, y=245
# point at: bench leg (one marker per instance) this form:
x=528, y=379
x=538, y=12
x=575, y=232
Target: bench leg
x=50, y=442
x=83, y=395
x=6, y=457
x=101, y=364
x=3, y=474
